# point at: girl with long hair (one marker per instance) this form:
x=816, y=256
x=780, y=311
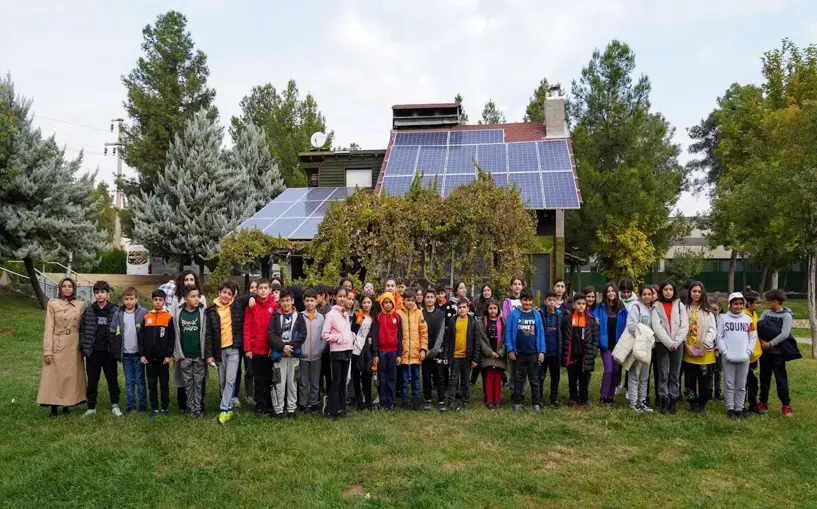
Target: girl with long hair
x=699, y=348
x=612, y=316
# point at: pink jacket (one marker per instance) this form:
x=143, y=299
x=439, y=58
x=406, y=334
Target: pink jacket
x=337, y=330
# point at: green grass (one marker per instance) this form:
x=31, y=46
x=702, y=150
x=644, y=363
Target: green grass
x=801, y=333
x=799, y=308
x=596, y=458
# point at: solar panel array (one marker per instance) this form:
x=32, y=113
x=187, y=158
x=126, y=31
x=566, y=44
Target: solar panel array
x=542, y=170
x=296, y=213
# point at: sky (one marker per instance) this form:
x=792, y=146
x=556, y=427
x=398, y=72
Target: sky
x=359, y=57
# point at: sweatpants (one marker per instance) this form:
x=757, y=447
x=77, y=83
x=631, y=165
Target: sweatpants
x=134, y=381
x=669, y=371
x=98, y=362
x=578, y=382
x=525, y=367
x=387, y=373
x=493, y=385
x=411, y=379
x=309, y=383
x=157, y=369
x=336, y=402
x=698, y=382
x=637, y=379
x=193, y=370
x=262, y=383
x=459, y=380
x=552, y=366
x=753, y=384
x=772, y=364
x=227, y=371
x=285, y=390
x=608, y=378
x=432, y=380
x=734, y=379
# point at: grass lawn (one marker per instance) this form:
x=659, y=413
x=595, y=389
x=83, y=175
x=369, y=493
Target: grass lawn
x=595, y=458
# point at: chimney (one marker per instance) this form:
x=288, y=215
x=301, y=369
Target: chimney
x=555, y=124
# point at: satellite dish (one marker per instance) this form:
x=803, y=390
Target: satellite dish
x=318, y=140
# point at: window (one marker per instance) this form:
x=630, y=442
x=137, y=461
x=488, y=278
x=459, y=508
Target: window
x=358, y=178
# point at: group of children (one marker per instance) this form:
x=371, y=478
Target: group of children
x=302, y=349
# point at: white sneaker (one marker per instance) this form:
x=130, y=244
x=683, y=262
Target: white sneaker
x=250, y=401
x=236, y=403
x=89, y=412
x=116, y=410
x=618, y=389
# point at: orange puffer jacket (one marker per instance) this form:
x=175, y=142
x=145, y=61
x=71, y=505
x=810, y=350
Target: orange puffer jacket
x=415, y=335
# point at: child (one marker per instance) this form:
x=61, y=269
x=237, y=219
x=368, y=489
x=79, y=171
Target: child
x=773, y=361
x=626, y=292
x=323, y=307
x=415, y=346
x=461, y=353
x=362, y=354
x=311, y=353
x=156, y=342
x=560, y=288
x=173, y=304
x=191, y=350
x=580, y=340
x=513, y=301
x=525, y=339
x=435, y=373
x=96, y=348
x=125, y=348
x=492, y=344
x=736, y=341
x=286, y=333
x=553, y=346
x=448, y=307
x=699, y=348
x=612, y=318
x=391, y=287
x=670, y=323
x=337, y=331
x=257, y=347
x=639, y=374
x=387, y=348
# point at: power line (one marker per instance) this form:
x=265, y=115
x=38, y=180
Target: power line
x=85, y=151
x=72, y=123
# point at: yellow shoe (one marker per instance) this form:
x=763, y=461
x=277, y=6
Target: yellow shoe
x=223, y=417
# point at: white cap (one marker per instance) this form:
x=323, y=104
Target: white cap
x=736, y=295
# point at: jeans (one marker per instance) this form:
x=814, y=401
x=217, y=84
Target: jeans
x=553, y=366
x=432, y=378
x=227, y=372
x=493, y=385
x=361, y=384
x=336, y=402
x=698, y=380
x=193, y=370
x=526, y=365
x=459, y=379
x=669, y=371
x=157, y=369
x=608, y=379
x=262, y=378
x=734, y=379
x=134, y=381
x=772, y=364
x=309, y=383
x=96, y=363
x=387, y=372
x=578, y=382
x=411, y=376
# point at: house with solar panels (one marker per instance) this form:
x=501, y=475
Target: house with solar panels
x=429, y=139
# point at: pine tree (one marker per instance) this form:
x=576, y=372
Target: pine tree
x=251, y=156
x=535, y=111
x=198, y=198
x=491, y=115
x=463, y=115
x=167, y=87
x=46, y=211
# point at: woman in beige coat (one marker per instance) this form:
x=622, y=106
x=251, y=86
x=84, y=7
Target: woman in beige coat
x=63, y=380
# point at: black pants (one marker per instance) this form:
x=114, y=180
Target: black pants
x=459, y=381
x=752, y=384
x=578, y=382
x=553, y=366
x=698, y=382
x=326, y=372
x=262, y=378
x=181, y=395
x=156, y=369
x=361, y=384
x=339, y=364
x=525, y=367
x=772, y=364
x=95, y=364
x=654, y=367
x=431, y=379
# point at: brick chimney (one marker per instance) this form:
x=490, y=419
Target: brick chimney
x=555, y=124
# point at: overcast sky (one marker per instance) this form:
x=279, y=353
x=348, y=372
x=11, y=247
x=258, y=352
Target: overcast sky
x=360, y=57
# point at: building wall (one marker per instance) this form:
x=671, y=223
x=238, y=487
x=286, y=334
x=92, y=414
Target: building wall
x=332, y=172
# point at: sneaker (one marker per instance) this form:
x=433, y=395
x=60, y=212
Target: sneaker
x=731, y=414
x=636, y=409
x=116, y=410
x=786, y=412
x=165, y=412
x=290, y=415
x=153, y=414
x=441, y=406
x=574, y=404
x=427, y=405
x=644, y=408
x=517, y=409
x=89, y=412
x=537, y=408
x=618, y=389
x=762, y=408
x=555, y=404
x=223, y=417
x=250, y=401
x=236, y=403
x=585, y=406
x=739, y=414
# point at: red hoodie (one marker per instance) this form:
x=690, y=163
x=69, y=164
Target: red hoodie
x=256, y=324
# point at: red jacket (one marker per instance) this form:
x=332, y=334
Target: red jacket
x=256, y=324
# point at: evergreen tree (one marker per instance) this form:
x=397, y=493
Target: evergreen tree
x=197, y=200
x=167, y=87
x=491, y=115
x=535, y=111
x=251, y=156
x=46, y=210
x=463, y=115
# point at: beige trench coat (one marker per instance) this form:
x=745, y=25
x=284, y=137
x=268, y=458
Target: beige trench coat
x=63, y=381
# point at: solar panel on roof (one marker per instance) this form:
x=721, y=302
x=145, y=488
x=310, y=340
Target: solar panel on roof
x=429, y=181
x=461, y=159
x=431, y=160
x=307, y=229
x=421, y=138
x=296, y=212
x=397, y=186
x=402, y=161
x=522, y=157
x=292, y=194
x=554, y=155
x=560, y=190
x=454, y=181
x=530, y=189
x=319, y=193
x=476, y=136
x=493, y=158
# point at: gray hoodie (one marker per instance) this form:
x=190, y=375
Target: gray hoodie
x=639, y=313
x=313, y=346
x=787, y=317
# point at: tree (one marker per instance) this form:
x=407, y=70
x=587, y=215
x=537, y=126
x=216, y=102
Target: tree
x=46, y=210
x=625, y=251
x=535, y=111
x=463, y=115
x=198, y=198
x=491, y=115
x=289, y=123
x=627, y=162
x=251, y=156
x=107, y=212
x=8, y=127
x=684, y=265
x=165, y=89
x=354, y=147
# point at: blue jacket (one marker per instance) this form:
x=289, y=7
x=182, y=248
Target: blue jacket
x=552, y=341
x=513, y=324
x=600, y=312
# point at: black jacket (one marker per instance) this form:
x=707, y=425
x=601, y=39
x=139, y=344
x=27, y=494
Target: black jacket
x=88, y=327
x=472, y=339
x=436, y=323
x=591, y=340
x=156, y=336
x=275, y=334
x=214, y=325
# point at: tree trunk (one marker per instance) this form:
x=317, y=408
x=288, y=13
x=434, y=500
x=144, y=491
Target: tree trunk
x=655, y=274
x=786, y=279
x=35, y=283
x=763, y=274
x=733, y=262
x=775, y=279
x=812, y=301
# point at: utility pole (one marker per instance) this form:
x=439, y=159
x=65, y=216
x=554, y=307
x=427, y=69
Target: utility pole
x=117, y=151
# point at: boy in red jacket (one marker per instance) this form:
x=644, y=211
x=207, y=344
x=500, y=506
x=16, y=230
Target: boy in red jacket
x=256, y=345
x=387, y=348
